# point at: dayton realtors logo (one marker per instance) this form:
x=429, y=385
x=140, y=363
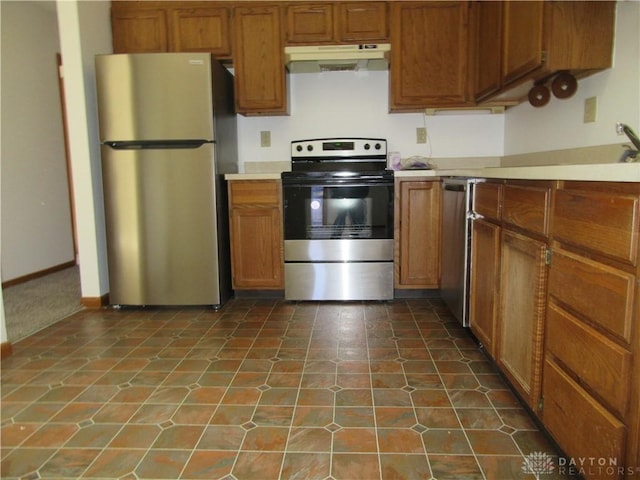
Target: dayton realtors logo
x=540, y=463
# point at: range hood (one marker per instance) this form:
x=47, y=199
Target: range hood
x=323, y=58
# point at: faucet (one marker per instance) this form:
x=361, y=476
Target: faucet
x=630, y=154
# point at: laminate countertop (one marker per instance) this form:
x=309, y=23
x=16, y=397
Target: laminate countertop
x=603, y=172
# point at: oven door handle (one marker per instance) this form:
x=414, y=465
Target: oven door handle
x=337, y=185
x=352, y=182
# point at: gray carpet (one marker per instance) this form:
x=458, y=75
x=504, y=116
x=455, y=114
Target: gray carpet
x=36, y=304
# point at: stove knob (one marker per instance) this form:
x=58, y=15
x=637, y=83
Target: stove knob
x=299, y=148
x=310, y=148
x=378, y=146
x=367, y=146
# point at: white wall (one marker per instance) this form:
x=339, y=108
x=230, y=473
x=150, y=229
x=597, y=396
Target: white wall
x=85, y=30
x=356, y=104
x=559, y=125
x=36, y=216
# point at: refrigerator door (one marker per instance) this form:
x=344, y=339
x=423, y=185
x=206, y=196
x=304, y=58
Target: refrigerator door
x=161, y=221
x=159, y=96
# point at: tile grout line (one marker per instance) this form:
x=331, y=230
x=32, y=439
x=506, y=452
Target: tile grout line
x=299, y=388
x=426, y=450
x=455, y=410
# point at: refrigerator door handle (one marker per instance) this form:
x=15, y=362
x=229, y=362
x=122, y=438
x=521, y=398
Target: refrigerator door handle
x=155, y=145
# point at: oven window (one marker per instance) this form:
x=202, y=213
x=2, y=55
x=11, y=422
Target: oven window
x=335, y=212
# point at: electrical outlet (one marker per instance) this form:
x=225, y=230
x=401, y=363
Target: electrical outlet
x=265, y=138
x=590, y=109
x=421, y=135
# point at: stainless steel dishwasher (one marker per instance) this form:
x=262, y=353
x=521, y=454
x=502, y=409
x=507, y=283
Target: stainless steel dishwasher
x=456, y=240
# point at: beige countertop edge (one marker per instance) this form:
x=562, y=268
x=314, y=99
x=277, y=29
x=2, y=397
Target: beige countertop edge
x=603, y=172
x=252, y=176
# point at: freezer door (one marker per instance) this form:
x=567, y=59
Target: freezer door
x=157, y=96
x=160, y=212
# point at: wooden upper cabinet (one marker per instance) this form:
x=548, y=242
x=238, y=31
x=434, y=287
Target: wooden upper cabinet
x=522, y=47
x=362, y=21
x=310, y=23
x=341, y=22
x=488, y=61
x=260, y=77
x=430, y=55
x=139, y=31
x=579, y=35
x=147, y=27
x=518, y=41
x=201, y=30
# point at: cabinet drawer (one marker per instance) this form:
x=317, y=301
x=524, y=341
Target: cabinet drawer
x=600, y=222
x=254, y=192
x=600, y=293
x=597, y=361
x=566, y=406
x=527, y=208
x=486, y=200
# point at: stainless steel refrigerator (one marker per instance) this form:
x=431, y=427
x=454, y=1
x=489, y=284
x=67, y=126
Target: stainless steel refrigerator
x=168, y=136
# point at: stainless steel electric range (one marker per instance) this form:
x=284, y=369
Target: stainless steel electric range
x=338, y=220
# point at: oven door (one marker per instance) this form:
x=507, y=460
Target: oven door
x=338, y=238
x=330, y=208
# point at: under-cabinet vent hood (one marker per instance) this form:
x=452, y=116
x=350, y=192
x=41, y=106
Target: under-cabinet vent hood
x=322, y=58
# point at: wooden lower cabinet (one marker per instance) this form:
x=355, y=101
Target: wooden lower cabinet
x=255, y=219
x=417, y=233
x=485, y=283
x=581, y=426
x=565, y=332
x=591, y=392
x=523, y=283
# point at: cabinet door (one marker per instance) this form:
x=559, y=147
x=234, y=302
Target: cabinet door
x=201, y=30
x=418, y=220
x=310, y=23
x=260, y=81
x=139, y=31
x=523, y=280
x=363, y=21
x=485, y=282
x=522, y=38
x=256, y=245
x=430, y=60
x=256, y=235
x=488, y=16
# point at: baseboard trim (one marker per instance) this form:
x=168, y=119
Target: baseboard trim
x=95, y=302
x=258, y=294
x=6, y=350
x=416, y=293
x=41, y=273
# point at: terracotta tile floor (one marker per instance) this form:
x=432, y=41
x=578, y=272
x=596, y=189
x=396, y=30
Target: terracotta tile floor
x=261, y=389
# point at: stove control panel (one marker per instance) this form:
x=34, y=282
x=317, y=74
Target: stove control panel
x=339, y=147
